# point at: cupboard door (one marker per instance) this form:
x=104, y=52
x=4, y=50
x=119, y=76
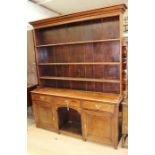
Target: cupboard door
x=44, y=115
x=97, y=126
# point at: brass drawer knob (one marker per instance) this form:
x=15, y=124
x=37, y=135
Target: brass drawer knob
x=66, y=102
x=42, y=97
x=98, y=106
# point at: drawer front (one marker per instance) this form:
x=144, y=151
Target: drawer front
x=67, y=102
x=98, y=106
x=40, y=97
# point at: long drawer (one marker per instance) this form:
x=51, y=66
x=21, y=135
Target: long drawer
x=40, y=97
x=98, y=106
x=67, y=102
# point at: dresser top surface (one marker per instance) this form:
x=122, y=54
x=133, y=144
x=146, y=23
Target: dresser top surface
x=84, y=95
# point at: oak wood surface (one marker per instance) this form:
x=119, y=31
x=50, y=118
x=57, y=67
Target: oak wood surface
x=98, y=106
x=85, y=15
x=87, y=32
x=80, y=67
x=82, y=85
x=125, y=122
x=67, y=102
x=82, y=63
x=98, y=126
x=44, y=115
x=79, y=42
x=45, y=98
x=125, y=119
x=78, y=79
x=95, y=53
x=85, y=95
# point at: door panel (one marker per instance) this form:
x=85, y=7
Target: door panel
x=43, y=113
x=98, y=126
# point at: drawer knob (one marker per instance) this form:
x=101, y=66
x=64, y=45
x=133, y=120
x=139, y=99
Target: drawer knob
x=98, y=106
x=42, y=97
x=66, y=102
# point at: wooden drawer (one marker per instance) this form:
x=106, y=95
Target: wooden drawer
x=40, y=97
x=98, y=106
x=67, y=102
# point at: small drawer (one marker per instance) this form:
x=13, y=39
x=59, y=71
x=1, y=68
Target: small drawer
x=98, y=106
x=67, y=102
x=40, y=97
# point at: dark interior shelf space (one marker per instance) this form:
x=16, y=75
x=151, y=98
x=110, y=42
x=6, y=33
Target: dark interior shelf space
x=69, y=120
x=72, y=127
x=96, y=30
x=107, y=52
x=83, y=85
x=79, y=42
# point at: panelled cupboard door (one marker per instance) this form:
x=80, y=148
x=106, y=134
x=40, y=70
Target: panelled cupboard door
x=97, y=126
x=44, y=115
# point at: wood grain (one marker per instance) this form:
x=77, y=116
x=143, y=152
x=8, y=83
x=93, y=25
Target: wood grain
x=80, y=16
x=80, y=70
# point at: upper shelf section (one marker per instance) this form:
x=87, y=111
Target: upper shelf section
x=94, y=31
x=80, y=16
x=84, y=53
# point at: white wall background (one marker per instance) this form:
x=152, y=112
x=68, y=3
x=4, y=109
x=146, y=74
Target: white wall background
x=36, y=12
